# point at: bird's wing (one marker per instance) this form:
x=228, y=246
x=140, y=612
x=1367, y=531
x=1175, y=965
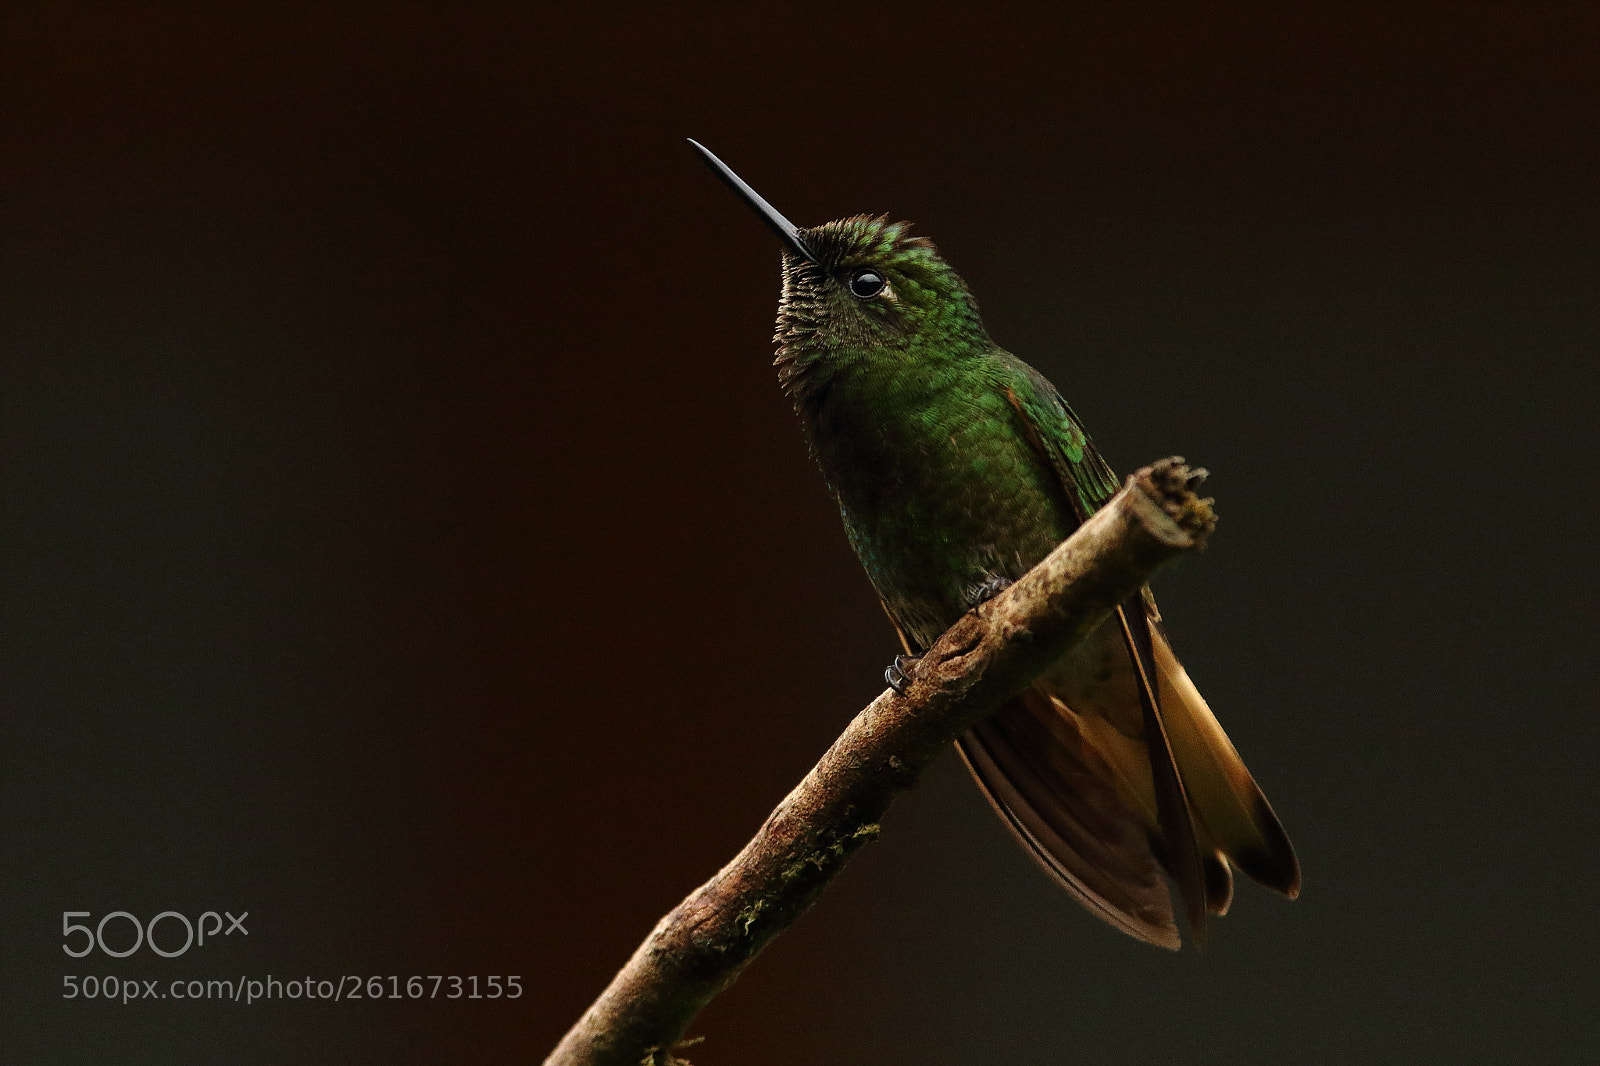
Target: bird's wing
x=1058, y=436
x=1233, y=818
x=1127, y=700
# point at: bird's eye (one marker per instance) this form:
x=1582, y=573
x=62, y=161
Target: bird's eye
x=866, y=283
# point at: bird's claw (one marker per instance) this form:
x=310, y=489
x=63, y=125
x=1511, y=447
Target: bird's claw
x=898, y=674
x=986, y=590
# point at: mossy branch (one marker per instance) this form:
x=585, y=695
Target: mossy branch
x=988, y=656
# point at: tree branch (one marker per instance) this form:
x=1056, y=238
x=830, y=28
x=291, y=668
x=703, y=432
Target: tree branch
x=987, y=657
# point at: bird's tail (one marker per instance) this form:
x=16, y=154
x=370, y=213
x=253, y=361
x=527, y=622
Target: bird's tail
x=1078, y=774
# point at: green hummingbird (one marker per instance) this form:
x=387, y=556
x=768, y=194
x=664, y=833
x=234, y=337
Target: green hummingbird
x=957, y=467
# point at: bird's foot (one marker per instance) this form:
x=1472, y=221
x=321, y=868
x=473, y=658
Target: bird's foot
x=898, y=675
x=986, y=590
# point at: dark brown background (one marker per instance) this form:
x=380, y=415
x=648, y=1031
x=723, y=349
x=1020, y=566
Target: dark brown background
x=406, y=541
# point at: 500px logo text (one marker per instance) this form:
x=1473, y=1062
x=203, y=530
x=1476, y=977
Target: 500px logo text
x=194, y=933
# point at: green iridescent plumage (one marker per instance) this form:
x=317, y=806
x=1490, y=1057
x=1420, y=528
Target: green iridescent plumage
x=957, y=467
x=913, y=414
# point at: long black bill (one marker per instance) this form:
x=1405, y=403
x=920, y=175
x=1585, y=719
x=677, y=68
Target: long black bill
x=787, y=231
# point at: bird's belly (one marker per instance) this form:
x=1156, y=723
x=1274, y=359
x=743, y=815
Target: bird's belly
x=929, y=535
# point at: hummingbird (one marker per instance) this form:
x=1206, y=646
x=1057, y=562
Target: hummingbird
x=956, y=467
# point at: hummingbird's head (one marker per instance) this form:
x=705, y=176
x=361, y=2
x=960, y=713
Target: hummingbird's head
x=862, y=294
x=870, y=293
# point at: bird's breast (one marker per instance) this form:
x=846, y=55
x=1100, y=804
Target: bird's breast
x=937, y=497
